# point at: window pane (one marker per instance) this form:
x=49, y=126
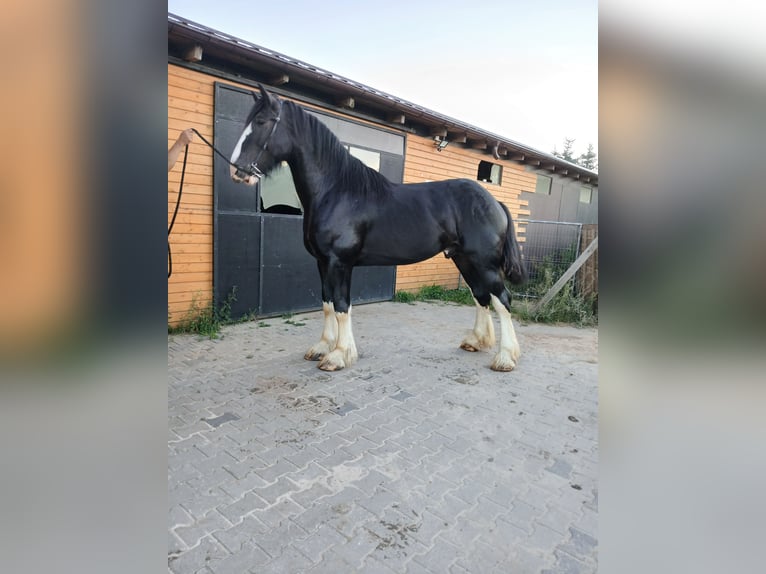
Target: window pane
x=543, y=184
x=586, y=194
x=278, y=193
x=497, y=170
x=369, y=158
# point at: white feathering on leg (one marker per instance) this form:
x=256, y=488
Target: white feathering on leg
x=483, y=334
x=329, y=335
x=345, y=353
x=509, y=352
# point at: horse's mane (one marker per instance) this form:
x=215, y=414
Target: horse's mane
x=348, y=174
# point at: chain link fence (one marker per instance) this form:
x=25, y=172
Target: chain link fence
x=549, y=249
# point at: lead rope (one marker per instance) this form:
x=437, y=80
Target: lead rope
x=175, y=212
x=252, y=169
x=180, y=191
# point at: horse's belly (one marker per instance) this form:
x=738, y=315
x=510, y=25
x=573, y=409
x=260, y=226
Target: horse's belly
x=397, y=252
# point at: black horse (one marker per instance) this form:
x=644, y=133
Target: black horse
x=354, y=216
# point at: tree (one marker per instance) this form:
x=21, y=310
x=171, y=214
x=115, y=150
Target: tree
x=567, y=153
x=588, y=160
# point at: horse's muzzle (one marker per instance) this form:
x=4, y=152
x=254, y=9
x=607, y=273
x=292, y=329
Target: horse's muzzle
x=242, y=177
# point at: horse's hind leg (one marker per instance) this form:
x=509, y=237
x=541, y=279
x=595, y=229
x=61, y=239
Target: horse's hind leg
x=509, y=352
x=488, y=288
x=483, y=334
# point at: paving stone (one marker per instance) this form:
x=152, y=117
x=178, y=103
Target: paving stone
x=320, y=541
x=432, y=462
x=244, y=560
x=240, y=534
x=237, y=510
x=210, y=523
x=290, y=560
x=197, y=558
x=580, y=545
x=566, y=564
x=273, y=472
x=307, y=498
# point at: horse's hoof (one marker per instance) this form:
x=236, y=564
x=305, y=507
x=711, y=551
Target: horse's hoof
x=502, y=368
x=330, y=366
x=468, y=347
x=503, y=362
x=318, y=351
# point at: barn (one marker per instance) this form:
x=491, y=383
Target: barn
x=244, y=246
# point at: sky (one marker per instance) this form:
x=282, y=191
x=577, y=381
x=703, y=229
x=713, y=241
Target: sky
x=527, y=71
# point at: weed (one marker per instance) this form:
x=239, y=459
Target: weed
x=404, y=297
x=461, y=296
x=206, y=321
x=567, y=306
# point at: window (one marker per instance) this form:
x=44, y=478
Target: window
x=543, y=185
x=489, y=172
x=368, y=158
x=278, y=193
x=586, y=194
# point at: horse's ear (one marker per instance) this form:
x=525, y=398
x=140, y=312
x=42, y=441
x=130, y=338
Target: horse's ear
x=267, y=99
x=255, y=96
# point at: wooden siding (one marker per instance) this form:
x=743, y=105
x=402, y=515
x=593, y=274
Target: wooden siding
x=423, y=163
x=190, y=104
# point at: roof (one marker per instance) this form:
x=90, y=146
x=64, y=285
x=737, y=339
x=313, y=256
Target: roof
x=246, y=62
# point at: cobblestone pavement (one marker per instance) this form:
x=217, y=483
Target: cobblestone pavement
x=418, y=458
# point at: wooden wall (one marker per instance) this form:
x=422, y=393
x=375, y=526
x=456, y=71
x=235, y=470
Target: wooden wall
x=190, y=104
x=423, y=163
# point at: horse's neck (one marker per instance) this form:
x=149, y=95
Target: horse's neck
x=309, y=169
x=308, y=181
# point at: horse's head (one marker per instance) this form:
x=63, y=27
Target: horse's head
x=259, y=143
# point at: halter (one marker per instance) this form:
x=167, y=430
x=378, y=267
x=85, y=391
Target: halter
x=253, y=167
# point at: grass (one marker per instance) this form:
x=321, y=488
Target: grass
x=461, y=296
x=207, y=321
x=566, y=307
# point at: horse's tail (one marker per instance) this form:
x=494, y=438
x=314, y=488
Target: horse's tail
x=512, y=260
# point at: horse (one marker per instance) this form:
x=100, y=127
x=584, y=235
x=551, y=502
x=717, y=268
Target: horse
x=354, y=216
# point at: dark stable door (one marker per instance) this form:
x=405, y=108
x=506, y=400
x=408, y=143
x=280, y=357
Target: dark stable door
x=260, y=265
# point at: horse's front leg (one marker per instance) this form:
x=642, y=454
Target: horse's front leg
x=344, y=354
x=330, y=330
x=329, y=334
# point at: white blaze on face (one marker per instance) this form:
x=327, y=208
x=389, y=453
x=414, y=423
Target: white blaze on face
x=237, y=151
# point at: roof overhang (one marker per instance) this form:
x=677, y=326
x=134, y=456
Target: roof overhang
x=191, y=43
